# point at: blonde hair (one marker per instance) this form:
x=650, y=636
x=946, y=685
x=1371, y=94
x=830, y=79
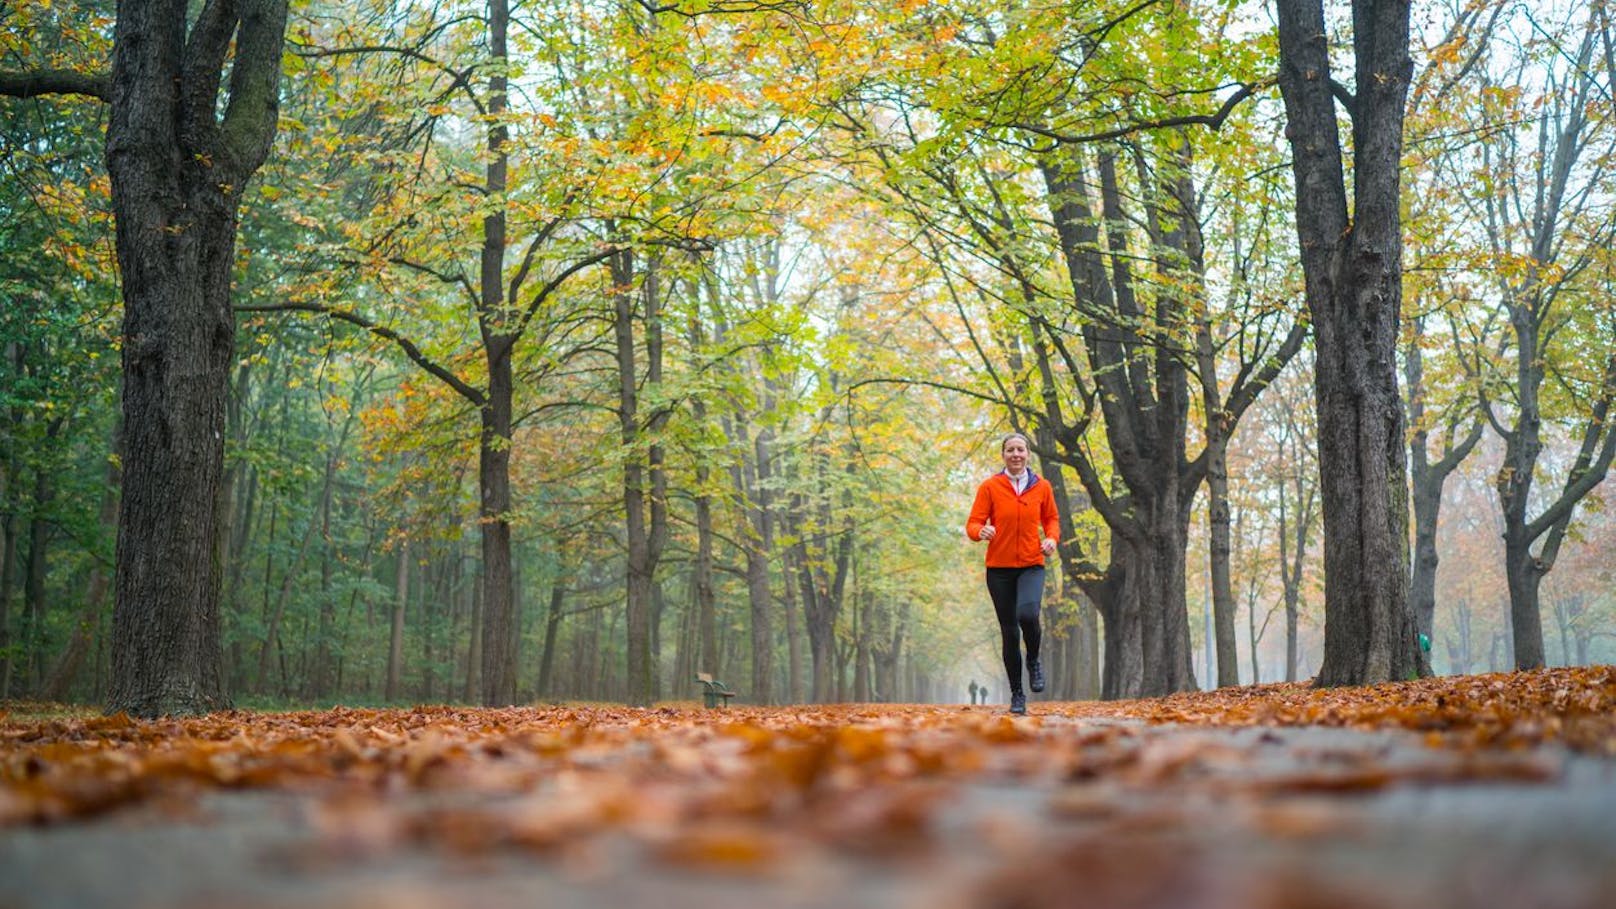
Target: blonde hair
x=1015, y=435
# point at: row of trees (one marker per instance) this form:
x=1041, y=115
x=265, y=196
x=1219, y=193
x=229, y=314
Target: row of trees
x=719, y=299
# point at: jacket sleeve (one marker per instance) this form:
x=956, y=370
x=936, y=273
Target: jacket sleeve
x=981, y=511
x=1049, y=516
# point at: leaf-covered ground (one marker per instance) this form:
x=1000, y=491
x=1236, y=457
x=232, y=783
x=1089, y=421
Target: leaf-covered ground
x=1195, y=800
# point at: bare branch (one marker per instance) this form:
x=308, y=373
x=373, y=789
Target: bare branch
x=471, y=393
x=33, y=83
x=1213, y=121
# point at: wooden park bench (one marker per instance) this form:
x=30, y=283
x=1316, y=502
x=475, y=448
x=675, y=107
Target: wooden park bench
x=714, y=692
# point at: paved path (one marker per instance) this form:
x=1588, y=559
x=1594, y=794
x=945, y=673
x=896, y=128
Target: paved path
x=1147, y=817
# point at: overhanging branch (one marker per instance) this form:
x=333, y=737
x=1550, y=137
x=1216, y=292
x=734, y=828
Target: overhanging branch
x=34, y=83
x=1213, y=121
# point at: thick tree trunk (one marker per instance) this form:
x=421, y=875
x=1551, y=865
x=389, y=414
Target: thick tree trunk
x=1147, y=643
x=177, y=171
x=1523, y=574
x=1353, y=275
x=179, y=341
x=1143, y=392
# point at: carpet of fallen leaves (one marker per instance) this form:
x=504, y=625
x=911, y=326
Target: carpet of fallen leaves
x=743, y=787
x=1572, y=706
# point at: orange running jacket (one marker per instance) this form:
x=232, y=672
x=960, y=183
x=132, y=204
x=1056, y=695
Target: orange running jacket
x=1016, y=520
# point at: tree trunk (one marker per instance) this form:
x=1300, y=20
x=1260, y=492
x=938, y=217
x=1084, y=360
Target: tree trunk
x=702, y=570
x=1216, y=429
x=1523, y=574
x=552, y=626
x=645, y=508
x=1083, y=672
x=1426, y=480
x=788, y=601
x=1144, y=394
x=8, y=558
x=177, y=171
x=472, y=690
x=751, y=479
x=823, y=587
x=395, y=638
x=706, y=614
x=761, y=610
x=1147, y=647
x=33, y=576
x=500, y=623
x=1352, y=264
x=1426, y=496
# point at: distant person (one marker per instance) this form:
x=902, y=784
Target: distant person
x=1011, y=507
x=973, y=692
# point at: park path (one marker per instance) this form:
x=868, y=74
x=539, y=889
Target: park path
x=974, y=811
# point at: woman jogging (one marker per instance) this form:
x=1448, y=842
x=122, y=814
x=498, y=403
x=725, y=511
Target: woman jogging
x=1010, y=508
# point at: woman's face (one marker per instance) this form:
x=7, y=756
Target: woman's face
x=1014, y=453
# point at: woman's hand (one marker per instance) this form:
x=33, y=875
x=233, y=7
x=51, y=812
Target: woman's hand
x=1049, y=546
x=987, y=531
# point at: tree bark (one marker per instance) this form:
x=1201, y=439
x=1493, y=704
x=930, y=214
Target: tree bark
x=822, y=582
x=702, y=569
x=1352, y=266
x=178, y=170
x=1143, y=392
x=1529, y=302
x=1082, y=674
x=395, y=638
x=706, y=613
x=644, y=477
x=1426, y=479
x=1216, y=430
x=1147, y=647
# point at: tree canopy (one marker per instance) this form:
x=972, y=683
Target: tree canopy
x=563, y=350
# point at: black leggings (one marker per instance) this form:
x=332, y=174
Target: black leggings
x=1017, y=594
